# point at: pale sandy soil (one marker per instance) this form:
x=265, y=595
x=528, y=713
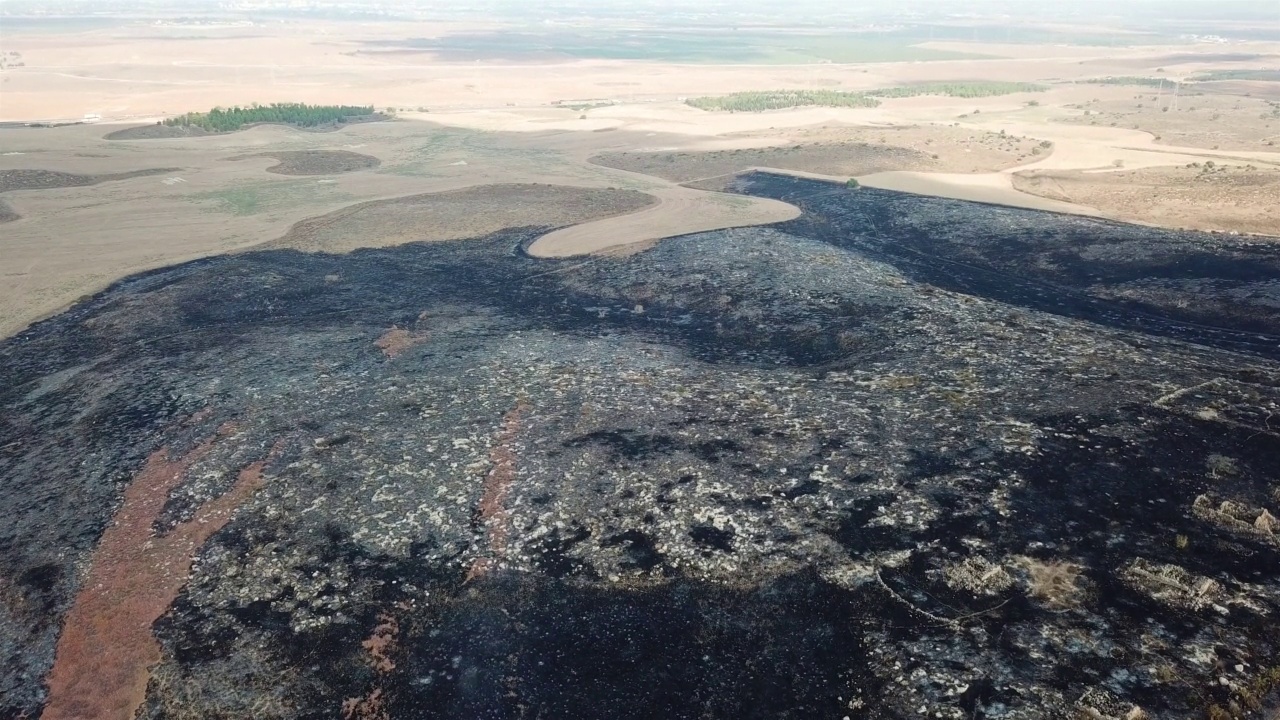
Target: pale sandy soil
x=496, y=124
x=993, y=188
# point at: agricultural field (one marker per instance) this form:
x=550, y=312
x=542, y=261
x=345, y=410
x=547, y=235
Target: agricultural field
x=672, y=46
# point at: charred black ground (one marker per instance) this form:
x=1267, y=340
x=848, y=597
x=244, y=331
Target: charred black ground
x=902, y=457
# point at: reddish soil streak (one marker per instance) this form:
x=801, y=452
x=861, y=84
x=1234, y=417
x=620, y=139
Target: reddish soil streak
x=493, y=501
x=380, y=645
x=106, y=649
x=370, y=707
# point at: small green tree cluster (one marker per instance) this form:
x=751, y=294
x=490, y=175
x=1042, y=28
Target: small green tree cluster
x=780, y=99
x=297, y=114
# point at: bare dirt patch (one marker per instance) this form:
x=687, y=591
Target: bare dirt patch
x=458, y=214
x=1224, y=198
x=316, y=162
x=395, y=341
x=842, y=152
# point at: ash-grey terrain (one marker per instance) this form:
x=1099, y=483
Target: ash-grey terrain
x=899, y=458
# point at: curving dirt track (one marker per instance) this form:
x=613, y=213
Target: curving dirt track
x=468, y=212
x=680, y=211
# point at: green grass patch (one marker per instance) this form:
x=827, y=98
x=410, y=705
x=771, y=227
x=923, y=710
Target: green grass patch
x=254, y=198
x=241, y=200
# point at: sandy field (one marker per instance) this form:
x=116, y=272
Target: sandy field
x=471, y=141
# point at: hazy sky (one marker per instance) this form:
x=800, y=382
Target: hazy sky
x=1069, y=11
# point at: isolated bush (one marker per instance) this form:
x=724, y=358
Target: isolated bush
x=1220, y=465
x=1055, y=583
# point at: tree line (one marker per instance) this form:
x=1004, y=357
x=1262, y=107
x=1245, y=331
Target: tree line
x=297, y=114
x=779, y=99
x=977, y=89
x=1130, y=80
x=759, y=101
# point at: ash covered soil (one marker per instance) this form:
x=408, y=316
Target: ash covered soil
x=899, y=458
x=316, y=162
